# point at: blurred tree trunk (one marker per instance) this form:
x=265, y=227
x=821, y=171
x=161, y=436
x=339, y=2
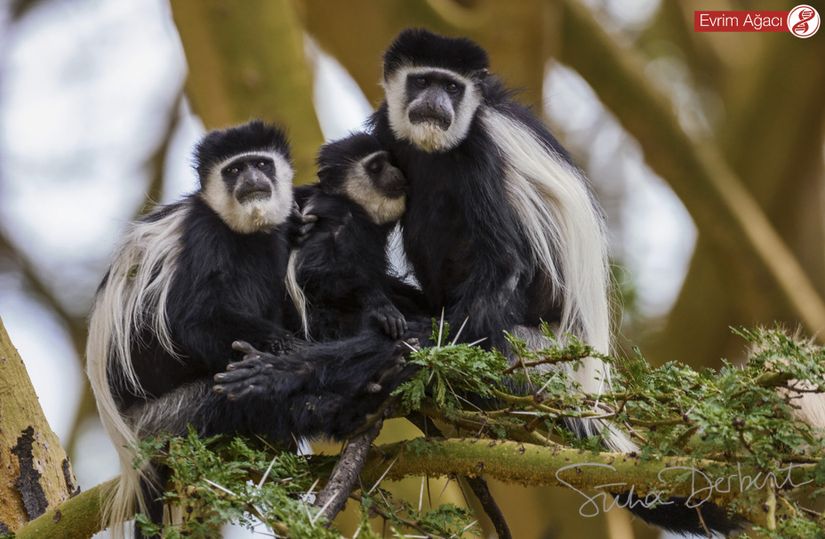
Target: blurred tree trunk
x=773, y=138
x=519, y=57
x=247, y=60
x=36, y=472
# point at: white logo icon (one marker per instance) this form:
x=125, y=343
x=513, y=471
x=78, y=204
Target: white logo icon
x=803, y=21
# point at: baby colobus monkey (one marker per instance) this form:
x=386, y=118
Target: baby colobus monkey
x=188, y=280
x=342, y=268
x=500, y=227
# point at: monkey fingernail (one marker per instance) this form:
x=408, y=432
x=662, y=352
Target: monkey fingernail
x=218, y=389
x=372, y=387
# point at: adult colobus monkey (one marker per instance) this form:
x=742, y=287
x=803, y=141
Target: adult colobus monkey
x=187, y=281
x=500, y=226
x=342, y=268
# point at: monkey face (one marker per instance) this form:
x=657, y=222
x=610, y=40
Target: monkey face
x=251, y=191
x=385, y=177
x=249, y=178
x=431, y=107
x=378, y=187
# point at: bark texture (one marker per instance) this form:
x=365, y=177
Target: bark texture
x=36, y=473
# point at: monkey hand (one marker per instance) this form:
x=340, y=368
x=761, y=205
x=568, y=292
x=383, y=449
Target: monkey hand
x=259, y=373
x=300, y=227
x=279, y=343
x=389, y=319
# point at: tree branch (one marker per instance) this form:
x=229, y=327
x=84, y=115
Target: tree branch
x=512, y=462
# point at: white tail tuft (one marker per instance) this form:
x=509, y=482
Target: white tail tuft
x=296, y=293
x=566, y=233
x=131, y=301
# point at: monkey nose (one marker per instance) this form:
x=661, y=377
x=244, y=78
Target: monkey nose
x=253, y=188
x=432, y=110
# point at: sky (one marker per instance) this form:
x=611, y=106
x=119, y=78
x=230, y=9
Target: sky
x=85, y=95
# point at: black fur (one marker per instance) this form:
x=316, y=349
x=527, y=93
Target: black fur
x=219, y=145
x=419, y=47
x=461, y=236
x=228, y=287
x=342, y=266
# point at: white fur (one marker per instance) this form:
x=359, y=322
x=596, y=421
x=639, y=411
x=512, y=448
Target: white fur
x=361, y=190
x=133, y=299
x=427, y=136
x=566, y=234
x=296, y=293
x=257, y=214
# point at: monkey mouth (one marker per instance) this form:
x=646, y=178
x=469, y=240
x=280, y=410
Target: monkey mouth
x=248, y=195
x=430, y=117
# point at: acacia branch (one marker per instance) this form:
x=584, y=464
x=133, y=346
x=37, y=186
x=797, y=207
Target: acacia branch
x=512, y=462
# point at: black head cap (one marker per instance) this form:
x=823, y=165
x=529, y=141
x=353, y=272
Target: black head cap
x=335, y=158
x=419, y=47
x=252, y=136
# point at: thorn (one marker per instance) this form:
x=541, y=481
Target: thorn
x=383, y=475
x=421, y=495
x=220, y=487
x=266, y=473
x=458, y=334
x=411, y=347
x=440, y=328
x=481, y=340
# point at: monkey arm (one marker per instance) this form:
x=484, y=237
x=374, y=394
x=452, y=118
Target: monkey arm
x=208, y=339
x=332, y=387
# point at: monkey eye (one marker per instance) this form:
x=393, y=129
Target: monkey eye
x=262, y=164
x=233, y=170
x=452, y=88
x=421, y=82
x=375, y=166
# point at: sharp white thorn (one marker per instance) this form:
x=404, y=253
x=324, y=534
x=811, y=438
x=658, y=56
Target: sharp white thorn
x=458, y=334
x=440, y=328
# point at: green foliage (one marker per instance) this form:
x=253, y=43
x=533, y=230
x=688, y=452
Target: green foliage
x=739, y=417
x=216, y=481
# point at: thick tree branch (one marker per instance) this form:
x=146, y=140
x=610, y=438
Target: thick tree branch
x=513, y=462
x=36, y=472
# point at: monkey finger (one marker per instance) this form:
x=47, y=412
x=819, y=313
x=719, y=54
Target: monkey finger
x=232, y=377
x=244, y=347
x=248, y=390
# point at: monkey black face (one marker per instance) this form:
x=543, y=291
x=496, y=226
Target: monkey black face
x=250, y=178
x=433, y=98
x=246, y=176
x=384, y=176
x=434, y=86
x=358, y=168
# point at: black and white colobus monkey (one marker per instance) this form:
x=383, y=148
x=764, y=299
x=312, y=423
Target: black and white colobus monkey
x=500, y=226
x=342, y=268
x=190, y=279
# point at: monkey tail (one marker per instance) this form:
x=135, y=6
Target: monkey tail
x=296, y=293
x=566, y=234
x=125, y=496
x=131, y=302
